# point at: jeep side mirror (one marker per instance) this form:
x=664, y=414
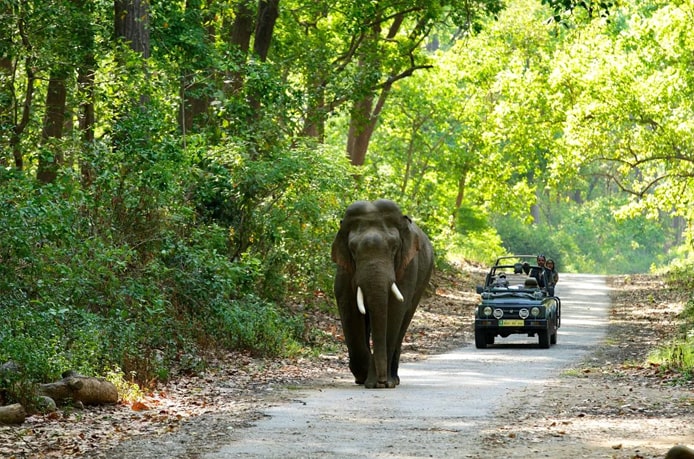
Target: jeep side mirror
x=480, y=289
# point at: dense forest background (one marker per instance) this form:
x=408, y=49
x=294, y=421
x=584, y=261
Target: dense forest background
x=173, y=172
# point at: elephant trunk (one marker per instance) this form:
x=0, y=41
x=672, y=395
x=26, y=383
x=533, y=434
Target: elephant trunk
x=378, y=316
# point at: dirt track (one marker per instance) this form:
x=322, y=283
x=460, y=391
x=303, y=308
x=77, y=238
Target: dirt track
x=512, y=400
x=608, y=404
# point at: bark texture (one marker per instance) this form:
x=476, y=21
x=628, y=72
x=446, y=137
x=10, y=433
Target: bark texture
x=12, y=414
x=89, y=391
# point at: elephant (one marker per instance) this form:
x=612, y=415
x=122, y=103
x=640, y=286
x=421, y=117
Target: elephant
x=384, y=263
x=680, y=452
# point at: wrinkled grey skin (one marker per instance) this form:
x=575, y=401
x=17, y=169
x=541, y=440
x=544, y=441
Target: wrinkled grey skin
x=376, y=246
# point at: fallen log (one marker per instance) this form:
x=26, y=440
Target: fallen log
x=84, y=389
x=12, y=414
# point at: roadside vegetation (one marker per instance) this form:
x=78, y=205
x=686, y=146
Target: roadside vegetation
x=678, y=354
x=174, y=193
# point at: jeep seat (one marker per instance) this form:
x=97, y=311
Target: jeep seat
x=530, y=282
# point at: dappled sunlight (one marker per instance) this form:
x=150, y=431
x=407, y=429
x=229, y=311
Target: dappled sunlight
x=589, y=437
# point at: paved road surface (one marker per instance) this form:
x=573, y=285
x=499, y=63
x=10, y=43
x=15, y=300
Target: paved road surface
x=441, y=404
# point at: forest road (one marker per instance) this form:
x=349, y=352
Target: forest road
x=444, y=405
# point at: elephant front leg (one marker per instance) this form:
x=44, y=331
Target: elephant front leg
x=359, y=364
x=373, y=381
x=357, y=340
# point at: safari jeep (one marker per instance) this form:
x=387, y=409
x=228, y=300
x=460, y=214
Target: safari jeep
x=513, y=303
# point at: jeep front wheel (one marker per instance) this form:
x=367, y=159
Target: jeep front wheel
x=480, y=339
x=543, y=338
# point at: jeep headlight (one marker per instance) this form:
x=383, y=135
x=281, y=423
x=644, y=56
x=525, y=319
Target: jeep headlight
x=524, y=313
x=498, y=313
x=535, y=311
x=487, y=311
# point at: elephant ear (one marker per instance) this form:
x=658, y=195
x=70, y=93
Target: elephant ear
x=410, y=245
x=340, y=251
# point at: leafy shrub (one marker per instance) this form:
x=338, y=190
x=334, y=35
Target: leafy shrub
x=679, y=274
x=104, y=277
x=256, y=325
x=280, y=205
x=678, y=354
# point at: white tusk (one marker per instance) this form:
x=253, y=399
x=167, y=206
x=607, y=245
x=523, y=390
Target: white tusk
x=360, y=301
x=396, y=292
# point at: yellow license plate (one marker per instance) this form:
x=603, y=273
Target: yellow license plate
x=511, y=323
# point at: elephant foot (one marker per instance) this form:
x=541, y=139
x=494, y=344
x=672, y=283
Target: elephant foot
x=360, y=374
x=390, y=384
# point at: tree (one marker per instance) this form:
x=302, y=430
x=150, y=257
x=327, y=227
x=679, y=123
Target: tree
x=131, y=23
x=565, y=8
x=18, y=57
x=381, y=64
x=7, y=99
x=629, y=105
x=86, y=71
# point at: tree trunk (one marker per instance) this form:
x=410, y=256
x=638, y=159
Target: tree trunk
x=89, y=391
x=360, y=129
x=132, y=24
x=86, y=70
x=362, y=124
x=6, y=104
x=268, y=10
x=21, y=124
x=240, y=38
x=535, y=213
x=462, y=183
x=316, y=111
x=195, y=102
x=53, y=122
x=12, y=414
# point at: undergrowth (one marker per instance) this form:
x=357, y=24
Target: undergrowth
x=143, y=272
x=678, y=354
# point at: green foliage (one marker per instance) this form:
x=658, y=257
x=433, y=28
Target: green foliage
x=281, y=206
x=122, y=274
x=589, y=238
x=564, y=8
x=173, y=239
x=128, y=389
x=521, y=237
x=256, y=325
x=481, y=246
x=679, y=274
x=678, y=354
